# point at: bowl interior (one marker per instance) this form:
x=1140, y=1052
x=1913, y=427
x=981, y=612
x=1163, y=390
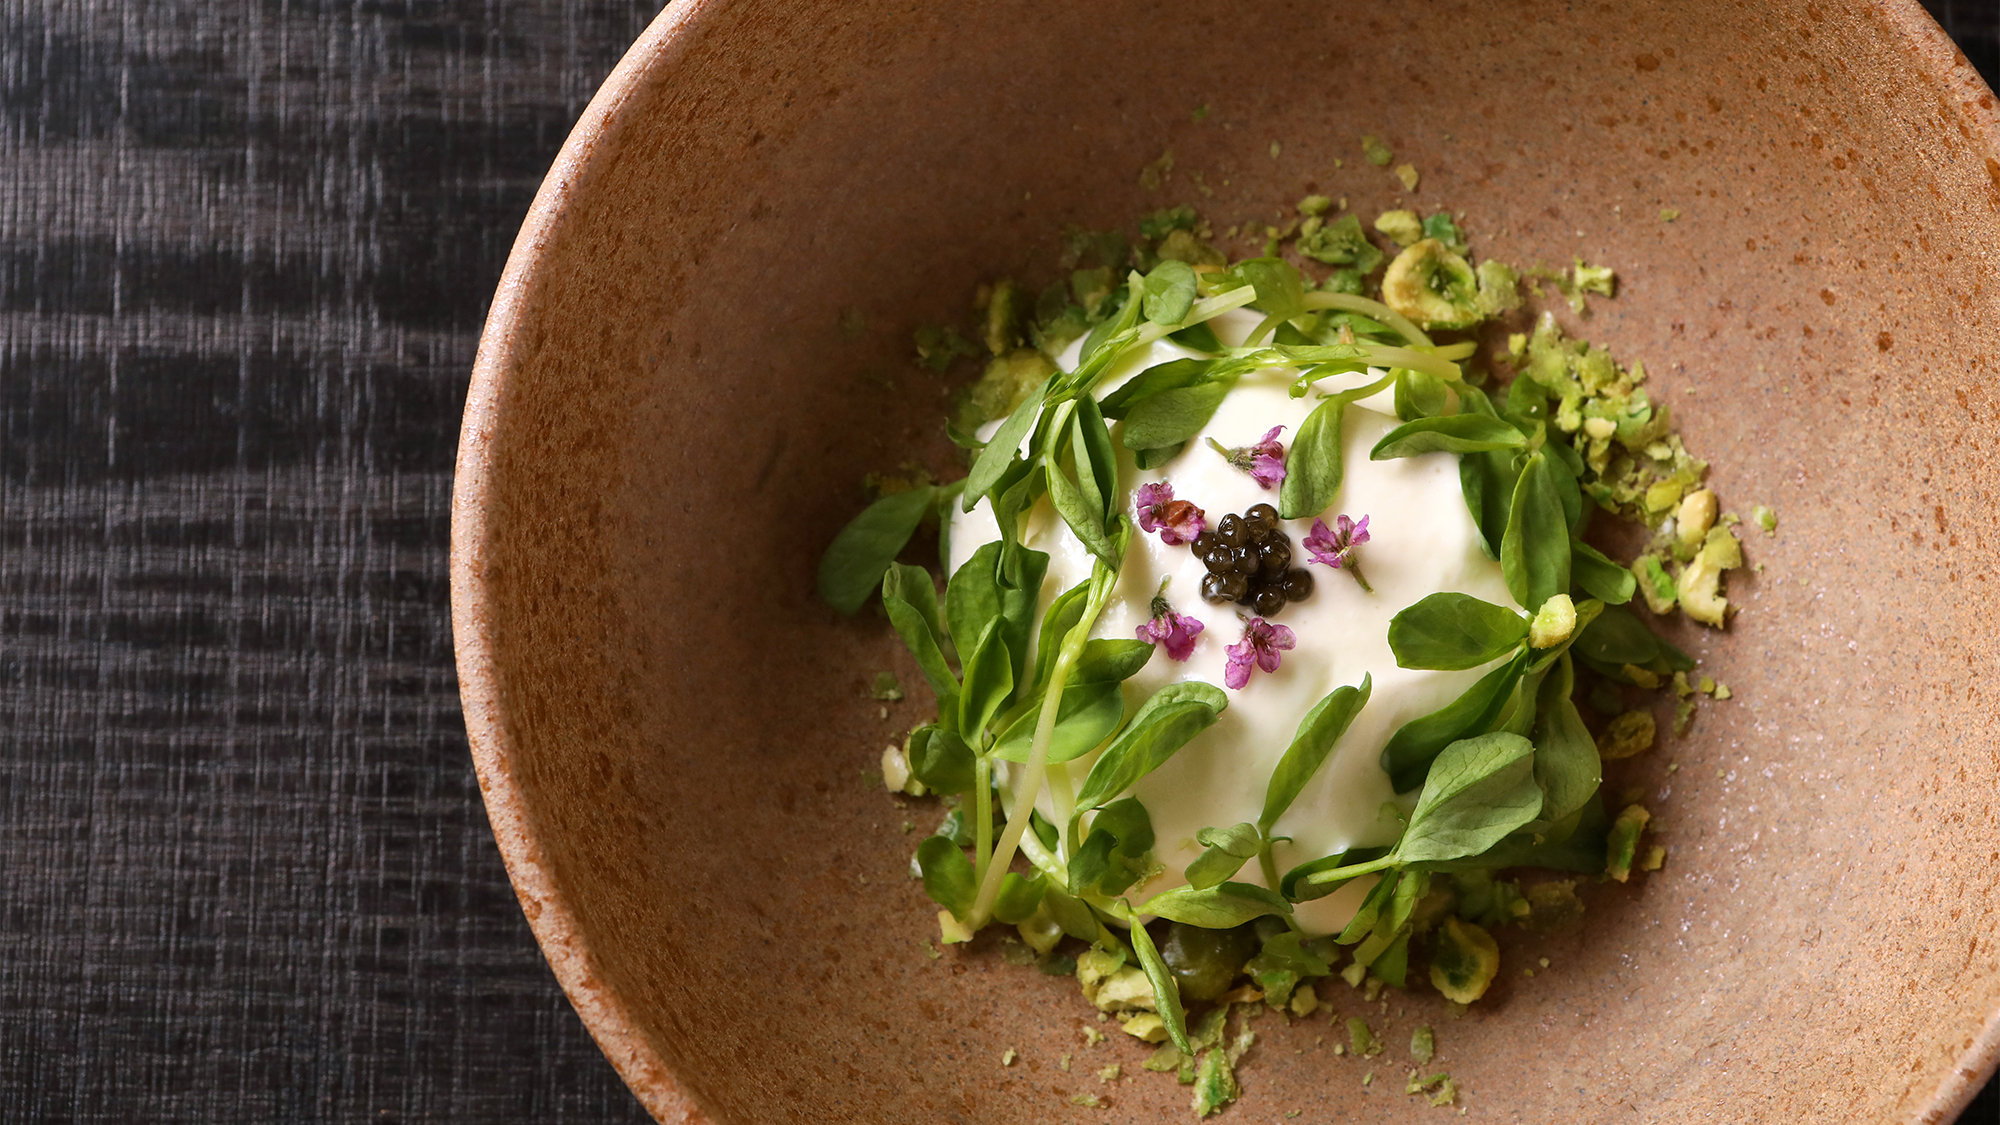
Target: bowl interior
x=669, y=423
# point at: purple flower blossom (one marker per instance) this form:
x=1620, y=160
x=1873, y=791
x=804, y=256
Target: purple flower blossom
x=1177, y=631
x=1335, y=546
x=1177, y=521
x=1264, y=461
x=1261, y=644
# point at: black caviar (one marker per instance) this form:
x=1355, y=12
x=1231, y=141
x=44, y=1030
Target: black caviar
x=1249, y=562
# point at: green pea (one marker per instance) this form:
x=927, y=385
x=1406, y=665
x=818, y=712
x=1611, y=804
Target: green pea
x=1206, y=962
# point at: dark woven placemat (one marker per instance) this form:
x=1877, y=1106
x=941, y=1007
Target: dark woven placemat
x=245, y=250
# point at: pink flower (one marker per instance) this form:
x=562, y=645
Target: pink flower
x=1335, y=546
x=1177, y=521
x=1175, y=630
x=1264, y=461
x=1261, y=644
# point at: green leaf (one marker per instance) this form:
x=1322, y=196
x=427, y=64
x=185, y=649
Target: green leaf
x=1295, y=888
x=1450, y=631
x=1095, y=460
x=1479, y=790
x=1487, y=479
x=1455, y=433
x=1419, y=394
x=1169, y=292
x=1019, y=487
x=1534, y=554
x=1113, y=856
x=1219, y=907
x=1314, y=466
x=941, y=760
x=972, y=597
x=1407, y=757
x=1087, y=715
x=1156, y=379
x=1003, y=448
x=947, y=876
x=1173, y=416
x=911, y=601
x=1314, y=740
x=1164, y=724
x=1018, y=898
x=1225, y=850
x=1198, y=337
x=1566, y=763
x=1061, y=616
x=989, y=681
x=1617, y=638
x=1110, y=660
x=855, y=561
x=1599, y=576
x=1166, y=990
x=1281, y=289
x=1380, y=897
x=1083, y=514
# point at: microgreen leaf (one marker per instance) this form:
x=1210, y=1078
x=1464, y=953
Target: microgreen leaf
x=1163, y=724
x=1087, y=715
x=1173, y=416
x=1280, y=288
x=1112, y=856
x=1617, y=638
x=1198, y=337
x=1487, y=479
x=1003, y=447
x=911, y=601
x=941, y=760
x=1566, y=762
x=1095, y=460
x=1296, y=888
x=1169, y=292
x=1534, y=554
x=1479, y=790
x=1082, y=512
x=1315, y=464
x=1109, y=660
x=989, y=680
x=1072, y=914
x=1063, y=612
x=1450, y=630
x=855, y=561
x=1018, y=898
x=1220, y=907
x=1314, y=740
x=1166, y=990
x=1454, y=433
x=1599, y=576
x=947, y=875
x=1407, y=757
x=1225, y=850
x=1420, y=394
x=1168, y=376
x=1378, y=899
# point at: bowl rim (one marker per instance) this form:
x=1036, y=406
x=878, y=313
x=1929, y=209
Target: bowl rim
x=550, y=916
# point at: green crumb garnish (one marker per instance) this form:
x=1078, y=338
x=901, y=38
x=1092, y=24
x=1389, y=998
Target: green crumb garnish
x=1464, y=960
x=1088, y=1101
x=1402, y=227
x=887, y=689
x=1722, y=690
x=1655, y=584
x=1622, y=845
x=1153, y=176
x=1276, y=149
x=1669, y=214
x=938, y=345
x=853, y=322
x=1553, y=623
x=1441, y=227
x=1368, y=1079
x=1630, y=733
x=1063, y=1063
x=1110, y=1073
x=1765, y=518
x=1008, y=1056
x=1214, y=1083
x=1361, y=1040
x=1338, y=243
x=1165, y=1059
x=1377, y=153
x=1423, y=1044
x=1553, y=905
x=1683, y=716
x=1408, y=174
x=1200, y=114
x=1655, y=857
x=1314, y=205
x=1593, y=279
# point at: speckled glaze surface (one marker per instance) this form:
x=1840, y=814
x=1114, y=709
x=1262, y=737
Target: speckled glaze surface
x=676, y=776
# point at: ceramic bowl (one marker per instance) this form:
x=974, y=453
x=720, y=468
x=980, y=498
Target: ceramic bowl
x=668, y=423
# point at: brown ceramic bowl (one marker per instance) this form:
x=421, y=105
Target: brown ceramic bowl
x=667, y=424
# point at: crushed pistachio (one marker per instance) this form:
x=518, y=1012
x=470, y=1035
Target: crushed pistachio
x=1695, y=517
x=1402, y=227
x=1088, y=1101
x=1305, y=1000
x=1643, y=677
x=1553, y=905
x=1214, y=1083
x=1154, y=175
x=1655, y=857
x=1593, y=279
x=1163, y=1060
x=1377, y=153
x=1553, y=623
x=1432, y=286
x=1008, y=1056
x=1147, y=1027
x=1765, y=518
x=1408, y=174
x=1360, y=1038
x=1722, y=690
x=1110, y=1073
x=1464, y=960
x=1669, y=214
x=1423, y=1043
x=1063, y=1063
x=1623, y=842
x=1314, y=205
x=896, y=776
x=887, y=687
x=1683, y=716
x=938, y=345
x=1338, y=243
x=1630, y=733
x=1655, y=584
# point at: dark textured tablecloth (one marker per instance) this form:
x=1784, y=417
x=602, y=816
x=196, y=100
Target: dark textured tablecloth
x=245, y=251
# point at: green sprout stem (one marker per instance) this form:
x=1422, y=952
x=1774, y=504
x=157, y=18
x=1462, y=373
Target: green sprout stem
x=1268, y=864
x=1373, y=310
x=1352, y=870
x=982, y=816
